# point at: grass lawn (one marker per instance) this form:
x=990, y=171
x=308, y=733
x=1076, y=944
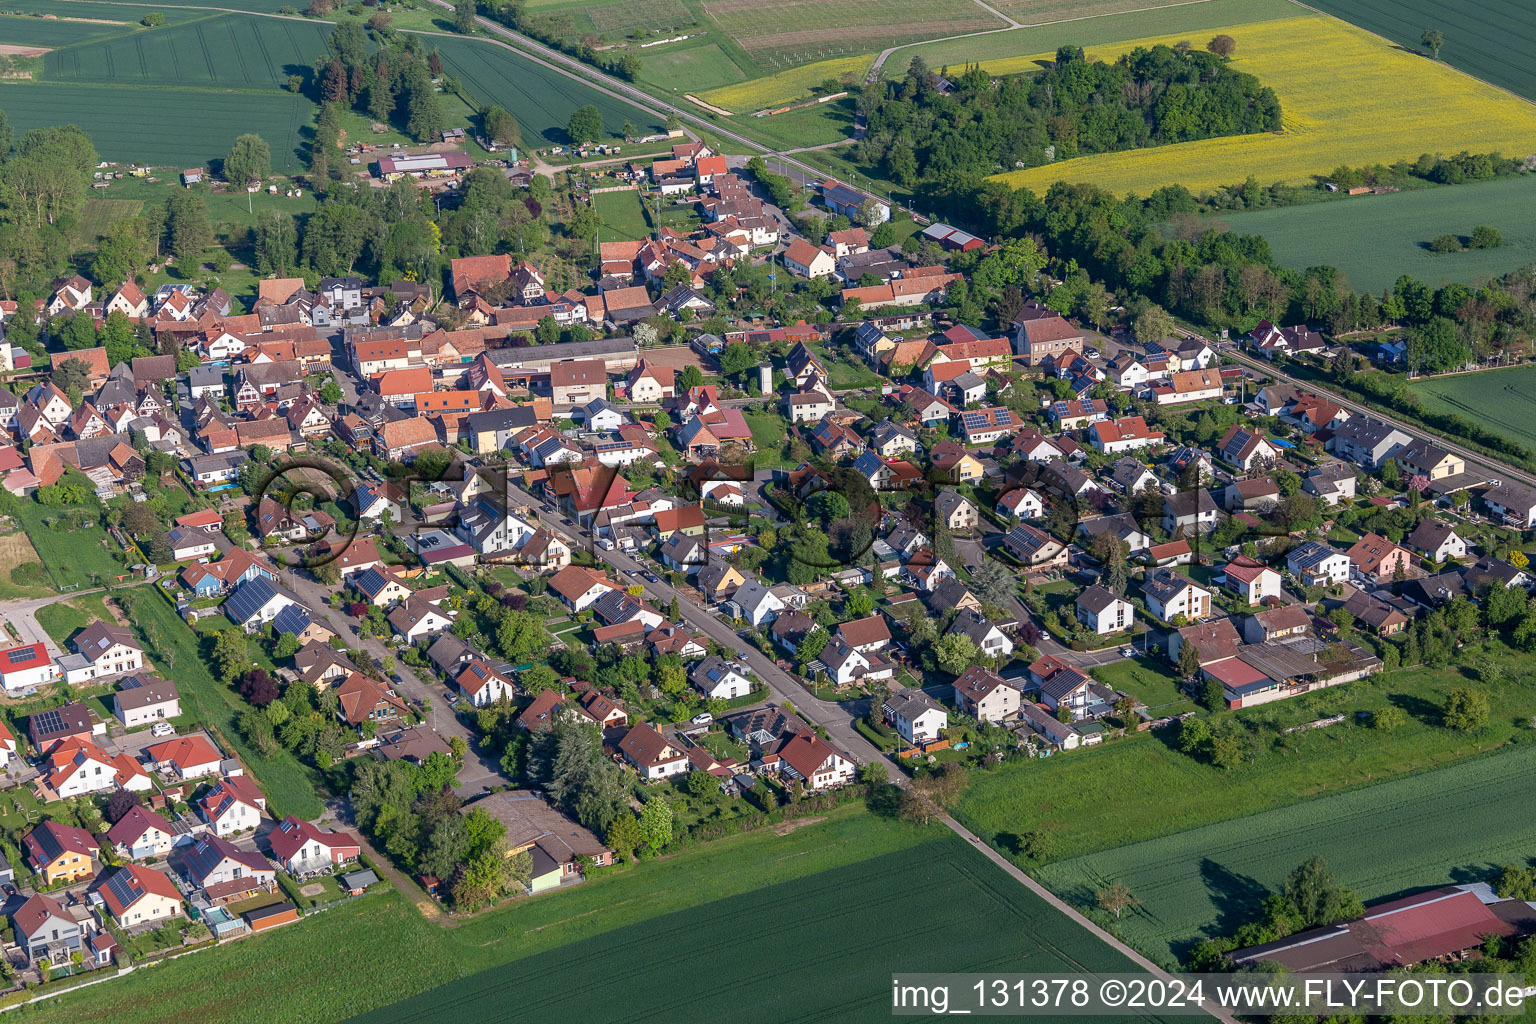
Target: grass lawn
x=291, y=787
x=844, y=374
x=1148, y=681
x=63, y=619
x=623, y=218
x=1427, y=829
x=73, y=546
x=769, y=432
x=808, y=126
x=1160, y=790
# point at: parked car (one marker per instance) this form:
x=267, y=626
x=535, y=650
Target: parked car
x=162, y=729
x=702, y=718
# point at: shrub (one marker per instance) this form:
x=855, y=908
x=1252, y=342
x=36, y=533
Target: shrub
x=1486, y=236
x=1445, y=243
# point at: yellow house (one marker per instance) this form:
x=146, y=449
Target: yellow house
x=137, y=895
x=58, y=851
x=1431, y=460
x=957, y=463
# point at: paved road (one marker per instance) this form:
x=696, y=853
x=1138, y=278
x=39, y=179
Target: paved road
x=481, y=770
x=1483, y=462
x=22, y=613
x=835, y=718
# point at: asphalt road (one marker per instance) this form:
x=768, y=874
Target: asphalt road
x=835, y=718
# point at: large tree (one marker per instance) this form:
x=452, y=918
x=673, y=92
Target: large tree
x=248, y=160
x=586, y=124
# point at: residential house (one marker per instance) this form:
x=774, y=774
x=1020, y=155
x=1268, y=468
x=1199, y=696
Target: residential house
x=362, y=700
x=226, y=872
x=718, y=679
x=143, y=700
x=1367, y=442
x=1169, y=595
x=956, y=511
x=141, y=834
x=1330, y=482
x=1192, y=511
x=233, y=805
x=1103, y=611
x=652, y=754
x=1512, y=503
x=136, y=895
x=1429, y=460
x=109, y=650
x=304, y=849
x=46, y=931
x=482, y=684
x=1378, y=559
x=1021, y=503
x=59, y=852
x=1245, y=448
x=987, y=696
x=1252, y=581
x=1123, y=435
x=1437, y=541
x=188, y=757
x=754, y=602
x=1034, y=547
x=804, y=757
x=1316, y=564
x=917, y=718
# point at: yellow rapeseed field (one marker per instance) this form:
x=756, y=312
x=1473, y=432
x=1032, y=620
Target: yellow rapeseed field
x=1347, y=96
x=786, y=86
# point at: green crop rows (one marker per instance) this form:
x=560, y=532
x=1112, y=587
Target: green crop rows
x=1451, y=824
x=541, y=98
x=1501, y=400
x=231, y=52
x=210, y=121
x=839, y=934
x=1374, y=239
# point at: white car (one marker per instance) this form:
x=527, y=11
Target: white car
x=162, y=729
x=702, y=718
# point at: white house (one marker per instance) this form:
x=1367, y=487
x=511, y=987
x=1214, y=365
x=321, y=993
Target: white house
x=579, y=587
x=806, y=757
x=302, y=848
x=1316, y=564
x=1252, y=581
x=987, y=696
x=916, y=717
x=482, y=685
x=109, y=648
x=1169, y=595
x=1103, y=611
x=27, y=666
x=754, y=603
x=847, y=665
x=232, y=805
x=989, y=640
x=717, y=678
x=1021, y=503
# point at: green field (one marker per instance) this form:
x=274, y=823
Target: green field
x=1448, y=825
x=115, y=119
x=542, y=99
x=1500, y=400
x=839, y=900
x=23, y=31
x=63, y=619
x=1488, y=39
x=834, y=939
x=73, y=554
x=1376, y=239
x=1142, y=787
x=229, y=52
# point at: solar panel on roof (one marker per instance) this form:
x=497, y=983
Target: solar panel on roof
x=123, y=888
x=19, y=656
x=49, y=721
